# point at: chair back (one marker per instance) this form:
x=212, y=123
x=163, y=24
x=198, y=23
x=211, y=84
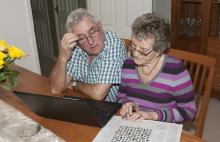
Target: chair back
x=201, y=69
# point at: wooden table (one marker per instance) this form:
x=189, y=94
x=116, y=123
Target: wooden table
x=31, y=82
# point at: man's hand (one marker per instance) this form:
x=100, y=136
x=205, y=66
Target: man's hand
x=68, y=43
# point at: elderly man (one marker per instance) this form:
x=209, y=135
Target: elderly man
x=90, y=57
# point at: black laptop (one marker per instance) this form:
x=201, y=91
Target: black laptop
x=70, y=108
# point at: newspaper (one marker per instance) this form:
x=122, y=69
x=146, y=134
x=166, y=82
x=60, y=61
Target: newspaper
x=17, y=127
x=120, y=130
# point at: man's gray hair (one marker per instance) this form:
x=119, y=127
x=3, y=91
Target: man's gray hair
x=76, y=17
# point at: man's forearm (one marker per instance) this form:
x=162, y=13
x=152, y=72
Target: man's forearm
x=94, y=91
x=58, y=77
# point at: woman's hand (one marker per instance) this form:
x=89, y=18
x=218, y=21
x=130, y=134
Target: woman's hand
x=127, y=109
x=131, y=112
x=141, y=115
x=135, y=116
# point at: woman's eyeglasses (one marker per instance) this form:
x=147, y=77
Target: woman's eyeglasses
x=83, y=38
x=141, y=51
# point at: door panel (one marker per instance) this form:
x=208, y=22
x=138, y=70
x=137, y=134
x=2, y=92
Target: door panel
x=62, y=8
x=42, y=27
x=118, y=15
x=49, y=21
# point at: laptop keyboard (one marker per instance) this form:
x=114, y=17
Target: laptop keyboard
x=104, y=114
x=102, y=109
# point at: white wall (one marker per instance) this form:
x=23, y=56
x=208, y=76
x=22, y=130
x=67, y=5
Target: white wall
x=162, y=8
x=16, y=27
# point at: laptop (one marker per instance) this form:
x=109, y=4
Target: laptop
x=70, y=108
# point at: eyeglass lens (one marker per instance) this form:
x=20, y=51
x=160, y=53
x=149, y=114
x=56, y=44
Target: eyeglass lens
x=93, y=33
x=142, y=52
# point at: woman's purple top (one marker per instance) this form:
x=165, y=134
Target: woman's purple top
x=170, y=93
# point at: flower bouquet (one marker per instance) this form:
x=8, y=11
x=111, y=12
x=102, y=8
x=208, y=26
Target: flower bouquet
x=8, y=54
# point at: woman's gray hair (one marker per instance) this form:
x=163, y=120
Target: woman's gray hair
x=76, y=17
x=150, y=26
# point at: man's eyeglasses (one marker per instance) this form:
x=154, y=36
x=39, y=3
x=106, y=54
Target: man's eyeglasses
x=92, y=33
x=142, y=51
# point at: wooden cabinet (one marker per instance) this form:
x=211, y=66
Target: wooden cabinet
x=213, y=43
x=214, y=22
x=213, y=50
x=195, y=27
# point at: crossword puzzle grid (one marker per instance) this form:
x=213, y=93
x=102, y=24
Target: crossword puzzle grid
x=131, y=134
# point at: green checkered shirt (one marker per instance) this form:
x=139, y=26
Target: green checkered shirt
x=105, y=68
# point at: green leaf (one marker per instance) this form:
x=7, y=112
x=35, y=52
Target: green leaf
x=13, y=77
x=2, y=76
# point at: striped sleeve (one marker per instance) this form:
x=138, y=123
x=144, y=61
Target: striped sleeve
x=183, y=95
x=122, y=96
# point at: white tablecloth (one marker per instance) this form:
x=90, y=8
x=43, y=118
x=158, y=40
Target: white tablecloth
x=17, y=127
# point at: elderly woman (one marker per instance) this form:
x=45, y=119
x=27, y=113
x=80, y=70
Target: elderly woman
x=154, y=86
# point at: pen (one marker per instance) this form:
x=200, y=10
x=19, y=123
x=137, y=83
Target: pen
x=135, y=108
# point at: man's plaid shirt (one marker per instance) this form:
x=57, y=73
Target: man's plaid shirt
x=105, y=68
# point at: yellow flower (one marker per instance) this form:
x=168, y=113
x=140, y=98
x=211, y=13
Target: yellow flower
x=2, y=55
x=15, y=52
x=3, y=45
x=1, y=64
x=8, y=54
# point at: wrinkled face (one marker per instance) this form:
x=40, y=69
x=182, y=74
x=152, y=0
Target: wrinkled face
x=142, y=50
x=91, y=36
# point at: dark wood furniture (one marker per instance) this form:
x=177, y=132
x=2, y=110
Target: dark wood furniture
x=35, y=83
x=195, y=26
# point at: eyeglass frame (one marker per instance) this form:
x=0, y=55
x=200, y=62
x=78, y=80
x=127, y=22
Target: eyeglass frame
x=143, y=53
x=88, y=35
